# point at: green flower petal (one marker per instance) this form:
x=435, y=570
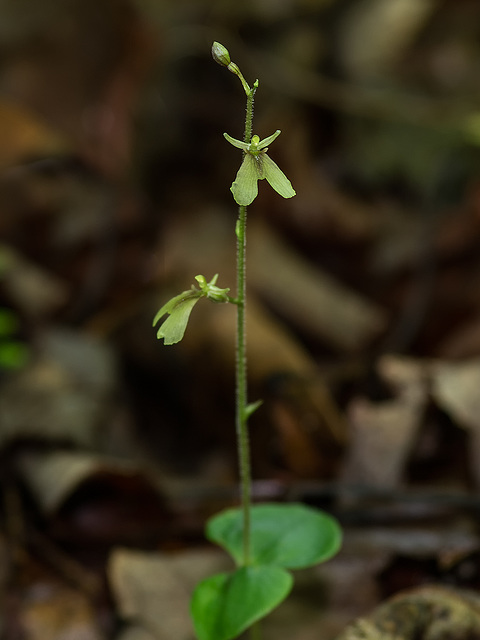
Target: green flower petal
x=236, y=143
x=264, y=143
x=276, y=178
x=245, y=187
x=179, y=309
x=169, y=306
x=173, y=329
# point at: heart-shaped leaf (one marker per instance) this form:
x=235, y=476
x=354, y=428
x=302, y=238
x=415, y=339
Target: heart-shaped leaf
x=226, y=604
x=292, y=536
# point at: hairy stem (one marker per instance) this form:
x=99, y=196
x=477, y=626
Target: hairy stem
x=243, y=441
x=241, y=384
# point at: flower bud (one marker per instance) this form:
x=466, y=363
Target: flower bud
x=220, y=54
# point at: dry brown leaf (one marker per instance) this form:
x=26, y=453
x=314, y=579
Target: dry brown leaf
x=310, y=299
x=154, y=589
x=376, y=33
x=54, y=476
x=44, y=47
x=382, y=434
x=55, y=612
x=63, y=395
x=34, y=290
x=455, y=387
x=24, y=136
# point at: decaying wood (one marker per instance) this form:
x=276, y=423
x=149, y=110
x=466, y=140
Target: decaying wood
x=430, y=613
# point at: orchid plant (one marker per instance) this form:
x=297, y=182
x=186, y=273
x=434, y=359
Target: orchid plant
x=264, y=540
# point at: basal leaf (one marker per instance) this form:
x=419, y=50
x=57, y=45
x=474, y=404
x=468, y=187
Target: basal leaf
x=292, y=536
x=224, y=605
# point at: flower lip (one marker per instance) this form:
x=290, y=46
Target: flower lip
x=257, y=165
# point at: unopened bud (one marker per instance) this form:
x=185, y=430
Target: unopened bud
x=220, y=54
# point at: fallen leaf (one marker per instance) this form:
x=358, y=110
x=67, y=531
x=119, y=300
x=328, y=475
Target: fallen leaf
x=54, y=476
x=56, y=612
x=33, y=289
x=376, y=34
x=383, y=433
x=455, y=387
x=63, y=395
x=155, y=589
x=310, y=298
x=25, y=135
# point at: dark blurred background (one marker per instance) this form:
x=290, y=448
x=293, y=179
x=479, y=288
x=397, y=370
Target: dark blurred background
x=364, y=314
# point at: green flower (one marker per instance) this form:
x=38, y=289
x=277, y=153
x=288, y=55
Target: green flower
x=179, y=308
x=256, y=166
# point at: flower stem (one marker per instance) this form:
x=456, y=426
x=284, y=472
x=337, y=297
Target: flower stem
x=243, y=443
x=243, y=440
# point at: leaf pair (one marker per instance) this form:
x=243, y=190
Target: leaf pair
x=257, y=165
x=283, y=536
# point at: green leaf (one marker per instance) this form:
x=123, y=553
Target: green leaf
x=276, y=178
x=179, y=308
x=224, y=605
x=252, y=407
x=245, y=187
x=292, y=536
